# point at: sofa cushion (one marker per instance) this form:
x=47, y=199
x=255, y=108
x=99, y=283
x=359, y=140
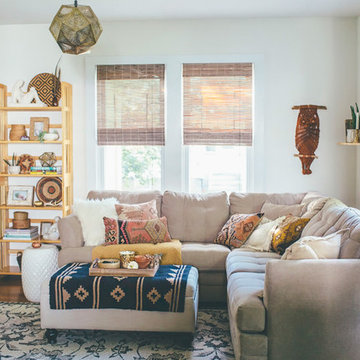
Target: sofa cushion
x=274, y=211
x=75, y=254
x=323, y=222
x=210, y=257
x=244, y=302
x=128, y=197
x=195, y=217
x=248, y=261
x=335, y=216
x=313, y=203
x=70, y=231
x=246, y=203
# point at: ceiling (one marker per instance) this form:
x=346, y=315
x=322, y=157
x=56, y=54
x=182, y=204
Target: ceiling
x=42, y=11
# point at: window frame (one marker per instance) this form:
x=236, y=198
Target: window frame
x=175, y=155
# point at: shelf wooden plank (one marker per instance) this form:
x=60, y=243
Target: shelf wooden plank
x=29, y=241
x=10, y=270
x=27, y=126
x=32, y=108
x=4, y=207
x=58, y=157
x=348, y=144
x=29, y=142
x=28, y=175
x=37, y=221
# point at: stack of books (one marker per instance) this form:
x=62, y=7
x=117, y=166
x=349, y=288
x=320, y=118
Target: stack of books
x=23, y=234
x=45, y=170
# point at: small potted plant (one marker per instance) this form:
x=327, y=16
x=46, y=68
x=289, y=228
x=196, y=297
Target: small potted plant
x=13, y=166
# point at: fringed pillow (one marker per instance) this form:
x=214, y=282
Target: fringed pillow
x=119, y=232
x=237, y=229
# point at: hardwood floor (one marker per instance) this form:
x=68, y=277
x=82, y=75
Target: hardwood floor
x=11, y=289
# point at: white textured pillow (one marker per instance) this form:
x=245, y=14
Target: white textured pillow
x=274, y=211
x=260, y=239
x=91, y=213
x=313, y=207
x=315, y=247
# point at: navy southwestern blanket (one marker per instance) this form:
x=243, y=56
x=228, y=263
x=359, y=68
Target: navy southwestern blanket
x=71, y=287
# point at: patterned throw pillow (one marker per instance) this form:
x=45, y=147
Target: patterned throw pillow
x=237, y=229
x=287, y=233
x=143, y=211
x=119, y=232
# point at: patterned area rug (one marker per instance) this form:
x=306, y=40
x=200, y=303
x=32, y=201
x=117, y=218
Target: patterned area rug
x=22, y=338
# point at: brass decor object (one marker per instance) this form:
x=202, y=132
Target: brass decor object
x=75, y=28
x=126, y=257
x=47, y=159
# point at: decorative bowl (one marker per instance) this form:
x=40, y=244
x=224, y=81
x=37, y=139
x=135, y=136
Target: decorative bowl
x=109, y=263
x=143, y=261
x=51, y=136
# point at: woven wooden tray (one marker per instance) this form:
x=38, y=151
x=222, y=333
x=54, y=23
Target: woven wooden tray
x=96, y=271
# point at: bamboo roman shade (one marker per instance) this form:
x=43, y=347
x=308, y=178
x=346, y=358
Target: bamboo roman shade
x=218, y=104
x=130, y=104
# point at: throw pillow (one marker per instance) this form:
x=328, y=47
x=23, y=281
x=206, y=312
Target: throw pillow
x=315, y=247
x=274, y=211
x=313, y=207
x=237, y=229
x=143, y=211
x=287, y=232
x=260, y=239
x=90, y=214
x=136, y=231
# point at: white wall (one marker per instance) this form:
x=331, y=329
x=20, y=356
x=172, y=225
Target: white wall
x=307, y=61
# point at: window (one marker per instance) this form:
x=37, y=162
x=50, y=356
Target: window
x=174, y=124
x=217, y=115
x=130, y=124
x=217, y=168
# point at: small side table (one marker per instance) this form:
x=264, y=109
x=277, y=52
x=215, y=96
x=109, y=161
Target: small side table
x=37, y=265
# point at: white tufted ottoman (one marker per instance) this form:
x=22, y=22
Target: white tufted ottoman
x=121, y=319
x=37, y=265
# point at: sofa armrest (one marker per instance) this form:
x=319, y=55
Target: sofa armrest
x=70, y=231
x=313, y=309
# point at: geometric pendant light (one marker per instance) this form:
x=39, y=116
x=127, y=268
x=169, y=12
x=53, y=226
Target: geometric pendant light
x=75, y=28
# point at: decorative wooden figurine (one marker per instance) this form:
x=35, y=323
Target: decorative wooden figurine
x=307, y=134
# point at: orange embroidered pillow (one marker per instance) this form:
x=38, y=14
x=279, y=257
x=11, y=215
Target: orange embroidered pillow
x=237, y=229
x=287, y=232
x=135, y=231
x=143, y=211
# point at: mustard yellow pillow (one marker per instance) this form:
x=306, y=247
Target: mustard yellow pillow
x=287, y=232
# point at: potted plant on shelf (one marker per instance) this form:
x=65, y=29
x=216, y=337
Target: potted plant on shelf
x=13, y=166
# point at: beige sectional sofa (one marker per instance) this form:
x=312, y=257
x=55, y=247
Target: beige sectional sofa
x=304, y=309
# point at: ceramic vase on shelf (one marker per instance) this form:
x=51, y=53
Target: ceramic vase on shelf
x=13, y=170
x=352, y=135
